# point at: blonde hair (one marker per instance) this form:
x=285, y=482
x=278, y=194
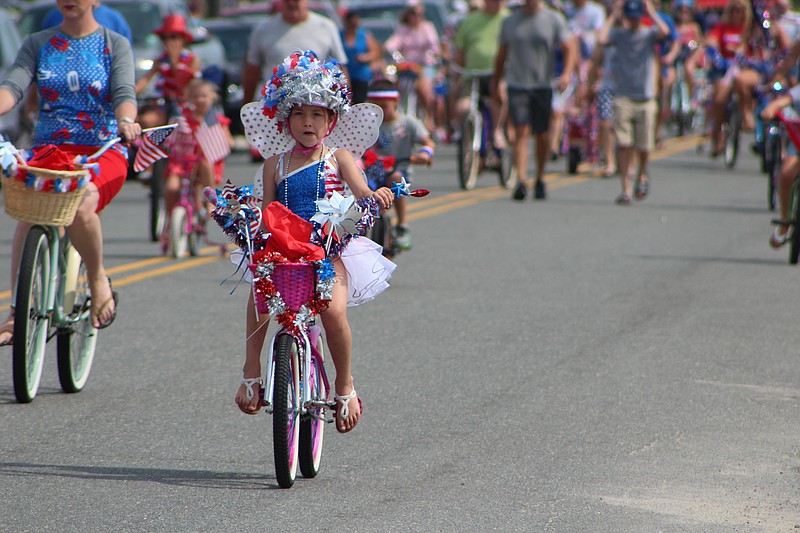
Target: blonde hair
x=200, y=83
x=748, y=15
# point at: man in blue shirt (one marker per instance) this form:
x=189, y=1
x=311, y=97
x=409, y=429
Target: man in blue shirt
x=104, y=15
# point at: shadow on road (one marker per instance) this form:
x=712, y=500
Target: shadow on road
x=188, y=478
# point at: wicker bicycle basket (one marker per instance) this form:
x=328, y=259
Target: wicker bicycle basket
x=296, y=284
x=43, y=207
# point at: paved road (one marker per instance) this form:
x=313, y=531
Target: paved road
x=568, y=365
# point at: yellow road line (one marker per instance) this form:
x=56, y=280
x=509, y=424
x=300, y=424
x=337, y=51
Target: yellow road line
x=417, y=209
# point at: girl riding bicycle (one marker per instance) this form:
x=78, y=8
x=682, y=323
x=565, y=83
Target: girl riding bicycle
x=305, y=103
x=186, y=153
x=173, y=70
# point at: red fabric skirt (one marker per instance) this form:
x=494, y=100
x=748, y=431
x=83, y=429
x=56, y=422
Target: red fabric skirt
x=113, y=171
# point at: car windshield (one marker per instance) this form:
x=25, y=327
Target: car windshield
x=235, y=41
x=143, y=18
x=395, y=11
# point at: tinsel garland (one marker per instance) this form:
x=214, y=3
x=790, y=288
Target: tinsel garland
x=269, y=299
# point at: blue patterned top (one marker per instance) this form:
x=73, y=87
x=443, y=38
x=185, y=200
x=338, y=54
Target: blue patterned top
x=297, y=190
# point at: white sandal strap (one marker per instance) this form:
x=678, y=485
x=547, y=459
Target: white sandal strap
x=344, y=401
x=250, y=382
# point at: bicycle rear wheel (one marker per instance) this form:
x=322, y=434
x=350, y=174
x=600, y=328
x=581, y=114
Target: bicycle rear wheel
x=794, y=212
x=285, y=410
x=195, y=236
x=381, y=233
x=157, y=214
x=506, y=174
x=178, y=235
x=30, y=315
x=76, y=343
x=312, y=425
x=732, y=130
x=468, y=156
x=774, y=173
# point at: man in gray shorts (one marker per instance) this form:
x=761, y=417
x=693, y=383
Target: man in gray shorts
x=528, y=41
x=294, y=28
x=633, y=67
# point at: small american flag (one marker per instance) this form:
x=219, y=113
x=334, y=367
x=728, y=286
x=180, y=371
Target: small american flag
x=211, y=138
x=150, y=151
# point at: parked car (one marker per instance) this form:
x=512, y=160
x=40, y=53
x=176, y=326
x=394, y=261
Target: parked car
x=234, y=34
x=436, y=11
x=273, y=6
x=145, y=16
x=10, y=41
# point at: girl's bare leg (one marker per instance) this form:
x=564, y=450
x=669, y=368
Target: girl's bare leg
x=340, y=344
x=256, y=333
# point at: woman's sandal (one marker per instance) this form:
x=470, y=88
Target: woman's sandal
x=97, y=311
x=249, y=382
x=778, y=239
x=343, y=407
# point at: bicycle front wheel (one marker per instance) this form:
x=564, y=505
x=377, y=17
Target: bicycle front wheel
x=157, y=214
x=77, y=341
x=286, y=410
x=178, y=234
x=732, y=130
x=30, y=315
x=468, y=156
x=312, y=425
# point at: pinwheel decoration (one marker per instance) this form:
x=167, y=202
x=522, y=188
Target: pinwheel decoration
x=338, y=215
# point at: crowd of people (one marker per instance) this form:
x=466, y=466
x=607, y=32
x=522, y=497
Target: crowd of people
x=618, y=59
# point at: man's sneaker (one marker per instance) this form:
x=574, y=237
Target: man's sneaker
x=539, y=192
x=402, y=237
x=520, y=192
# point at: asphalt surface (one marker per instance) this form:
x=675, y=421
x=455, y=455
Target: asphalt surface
x=566, y=365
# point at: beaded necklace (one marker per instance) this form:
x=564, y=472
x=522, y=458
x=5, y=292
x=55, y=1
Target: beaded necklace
x=320, y=167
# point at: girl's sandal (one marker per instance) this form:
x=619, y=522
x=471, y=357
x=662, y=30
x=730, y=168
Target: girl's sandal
x=778, y=239
x=7, y=328
x=343, y=408
x=250, y=394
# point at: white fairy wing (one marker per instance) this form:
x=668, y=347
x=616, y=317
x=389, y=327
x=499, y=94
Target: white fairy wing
x=356, y=130
x=262, y=132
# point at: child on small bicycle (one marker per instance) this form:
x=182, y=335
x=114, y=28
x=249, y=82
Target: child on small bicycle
x=173, y=70
x=189, y=143
x=399, y=134
x=305, y=103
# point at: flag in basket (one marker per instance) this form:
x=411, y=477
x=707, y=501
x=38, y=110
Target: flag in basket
x=150, y=150
x=211, y=138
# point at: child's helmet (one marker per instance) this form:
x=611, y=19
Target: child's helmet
x=302, y=79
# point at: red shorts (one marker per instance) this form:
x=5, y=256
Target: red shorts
x=113, y=171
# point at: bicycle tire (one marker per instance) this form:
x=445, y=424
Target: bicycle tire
x=75, y=344
x=774, y=174
x=381, y=233
x=312, y=428
x=194, y=236
x=157, y=214
x=732, y=131
x=178, y=236
x=506, y=173
x=468, y=157
x=573, y=159
x=794, y=242
x=285, y=410
x=30, y=315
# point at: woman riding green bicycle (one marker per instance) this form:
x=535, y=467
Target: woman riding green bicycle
x=85, y=81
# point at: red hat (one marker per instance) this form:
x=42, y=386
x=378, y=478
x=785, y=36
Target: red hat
x=174, y=24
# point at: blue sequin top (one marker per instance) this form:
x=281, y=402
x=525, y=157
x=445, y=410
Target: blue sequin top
x=300, y=196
